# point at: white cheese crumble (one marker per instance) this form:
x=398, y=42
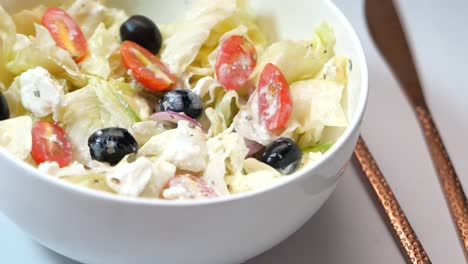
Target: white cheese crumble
x=185, y=147
x=40, y=93
x=130, y=179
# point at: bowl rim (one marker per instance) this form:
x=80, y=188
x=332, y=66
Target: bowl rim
x=134, y=201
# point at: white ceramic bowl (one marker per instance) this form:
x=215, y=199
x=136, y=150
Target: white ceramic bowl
x=95, y=227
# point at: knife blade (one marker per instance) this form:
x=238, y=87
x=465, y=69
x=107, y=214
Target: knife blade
x=389, y=36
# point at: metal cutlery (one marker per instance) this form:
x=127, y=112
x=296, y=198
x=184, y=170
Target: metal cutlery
x=402, y=230
x=386, y=29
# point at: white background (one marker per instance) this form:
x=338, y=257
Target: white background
x=349, y=228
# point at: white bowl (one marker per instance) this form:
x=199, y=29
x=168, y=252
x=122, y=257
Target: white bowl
x=94, y=227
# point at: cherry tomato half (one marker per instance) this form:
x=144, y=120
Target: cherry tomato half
x=146, y=68
x=274, y=99
x=236, y=61
x=66, y=33
x=50, y=143
x=187, y=187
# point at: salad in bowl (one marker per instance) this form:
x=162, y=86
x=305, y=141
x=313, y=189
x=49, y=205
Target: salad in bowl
x=203, y=107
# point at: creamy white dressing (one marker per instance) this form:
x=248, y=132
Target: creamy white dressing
x=249, y=124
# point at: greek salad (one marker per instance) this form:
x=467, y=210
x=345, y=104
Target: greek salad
x=203, y=107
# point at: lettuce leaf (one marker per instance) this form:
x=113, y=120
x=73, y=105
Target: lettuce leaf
x=42, y=50
x=88, y=14
x=15, y=136
x=256, y=175
x=163, y=171
x=208, y=89
x=223, y=113
x=248, y=123
x=337, y=70
x=221, y=106
x=145, y=130
x=101, y=26
x=25, y=20
x=316, y=105
x=322, y=148
x=217, y=123
x=242, y=23
x=101, y=46
x=181, y=48
x=99, y=105
x=90, y=181
x=299, y=60
x=309, y=157
x=226, y=154
x=13, y=98
x=7, y=40
x=77, y=174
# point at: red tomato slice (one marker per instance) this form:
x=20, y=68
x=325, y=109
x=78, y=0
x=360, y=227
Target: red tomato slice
x=50, y=143
x=236, y=61
x=187, y=187
x=274, y=99
x=146, y=68
x=66, y=33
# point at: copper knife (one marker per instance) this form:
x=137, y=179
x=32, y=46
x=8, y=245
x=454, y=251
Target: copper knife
x=388, y=34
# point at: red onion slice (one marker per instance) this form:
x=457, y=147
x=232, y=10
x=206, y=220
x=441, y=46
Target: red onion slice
x=175, y=118
x=253, y=146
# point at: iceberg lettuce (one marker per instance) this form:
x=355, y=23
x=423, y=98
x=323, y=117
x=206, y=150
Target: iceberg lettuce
x=226, y=154
x=316, y=105
x=299, y=60
x=99, y=105
x=337, y=70
x=322, y=148
x=256, y=175
x=7, y=40
x=42, y=50
x=163, y=171
x=15, y=136
x=242, y=23
x=87, y=14
x=13, y=98
x=181, y=48
x=101, y=46
x=25, y=20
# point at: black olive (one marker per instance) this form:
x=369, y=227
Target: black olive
x=111, y=145
x=4, y=110
x=182, y=101
x=142, y=31
x=283, y=154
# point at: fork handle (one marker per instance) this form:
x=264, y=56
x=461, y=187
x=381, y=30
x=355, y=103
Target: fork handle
x=409, y=243
x=448, y=178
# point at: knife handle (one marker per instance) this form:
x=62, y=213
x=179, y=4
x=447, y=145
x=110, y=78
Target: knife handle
x=402, y=230
x=448, y=178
